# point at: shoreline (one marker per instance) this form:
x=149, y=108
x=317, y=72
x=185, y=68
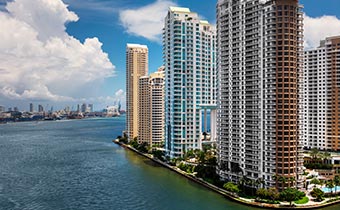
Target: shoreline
x=221, y=191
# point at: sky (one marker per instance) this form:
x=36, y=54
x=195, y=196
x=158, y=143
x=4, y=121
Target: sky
x=65, y=52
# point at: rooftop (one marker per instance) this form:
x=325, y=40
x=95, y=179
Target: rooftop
x=179, y=9
x=204, y=22
x=136, y=46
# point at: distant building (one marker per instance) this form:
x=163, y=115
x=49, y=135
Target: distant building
x=136, y=66
x=90, y=108
x=9, y=109
x=40, y=108
x=67, y=109
x=15, y=109
x=2, y=109
x=119, y=106
x=111, y=111
x=83, y=107
x=78, y=107
x=31, y=107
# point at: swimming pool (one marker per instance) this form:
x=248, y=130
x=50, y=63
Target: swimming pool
x=328, y=190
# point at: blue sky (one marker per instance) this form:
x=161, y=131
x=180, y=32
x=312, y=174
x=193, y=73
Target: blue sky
x=114, y=23
x=107, y=27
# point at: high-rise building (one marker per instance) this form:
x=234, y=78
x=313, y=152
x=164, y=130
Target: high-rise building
x=15, y=109
x=67, y=109
x=320, y=127
x=83, y=108
x=260, y=49
x=90, y=107
x=40, y=108
x=151, y=108
x=2, y=109
x=31, y=107
x=190, y=78
x=136, y=66
x=144, y=115
x=157, y=106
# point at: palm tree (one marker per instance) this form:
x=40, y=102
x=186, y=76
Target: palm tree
x=326, y=156
x=258, y=182
x=315, y=181
x=336, y=182
x=276, y=178
x=291, y=181
x=330, y=184
x=322, y=182
x=242, y=182
x=283, y=180
x=314, y=154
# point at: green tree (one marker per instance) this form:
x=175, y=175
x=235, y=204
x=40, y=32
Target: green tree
x=206, y=147
x=325, y=156
x=291, y=194
x=242, y=182
x=262, y=193
x=317, y=194
x=143, y=147
x=231, y=187
x=273, y=194
x=189, y=154
x=201, y=157
x=336, y=182
x=291, y=181
x=134, y=143
x=322, y=182
x=315, y=181
x=258, y=182
x=330, y=184
x=314, y=153
x=251, y=183
x=158, y=154
x=283, y=180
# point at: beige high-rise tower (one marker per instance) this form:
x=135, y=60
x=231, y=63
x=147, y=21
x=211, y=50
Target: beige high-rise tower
x=151, y=108
x=136, y=66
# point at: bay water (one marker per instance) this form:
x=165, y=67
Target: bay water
x=71, y=165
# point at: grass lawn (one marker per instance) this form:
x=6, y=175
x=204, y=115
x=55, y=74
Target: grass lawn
x=302, y=201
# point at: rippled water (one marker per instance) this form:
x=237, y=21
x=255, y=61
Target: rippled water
x=74, y=165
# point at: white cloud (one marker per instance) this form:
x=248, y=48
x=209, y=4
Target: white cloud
x=39, y=60
x=104, y=101
x=120, y=94
x=146, y=21
x=318, y=28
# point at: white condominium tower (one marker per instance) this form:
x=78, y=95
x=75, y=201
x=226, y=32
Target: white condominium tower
x=136, y=66
x=157, y=106
x=190, y=78
x=260, y=49
x=151, y=108
x=320, y=128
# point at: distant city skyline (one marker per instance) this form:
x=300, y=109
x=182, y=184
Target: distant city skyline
x=37, y=107
x=84, y=61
